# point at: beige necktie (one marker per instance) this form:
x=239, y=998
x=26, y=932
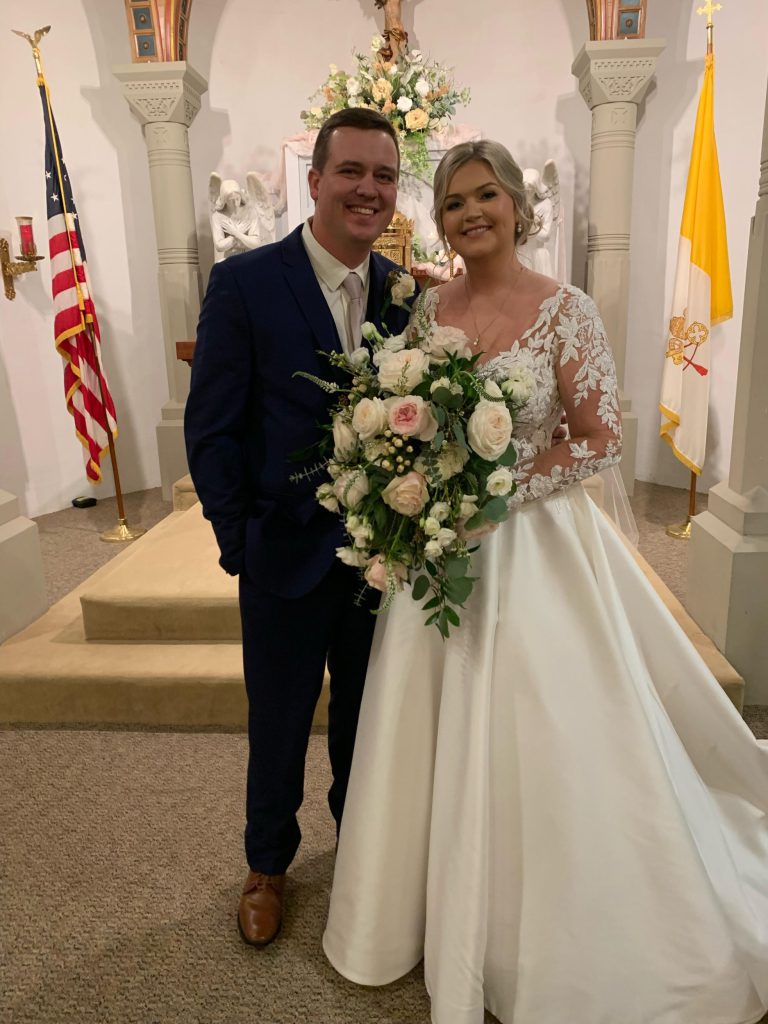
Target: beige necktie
x=353, y=286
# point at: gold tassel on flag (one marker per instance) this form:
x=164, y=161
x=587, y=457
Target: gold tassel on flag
x=702, y=293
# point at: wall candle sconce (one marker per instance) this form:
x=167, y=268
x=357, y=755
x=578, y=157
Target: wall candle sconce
x=26, y=261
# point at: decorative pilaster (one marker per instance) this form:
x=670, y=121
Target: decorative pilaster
x=165, y=97
x=613, y=78
x=728, y=558
x=22, y=595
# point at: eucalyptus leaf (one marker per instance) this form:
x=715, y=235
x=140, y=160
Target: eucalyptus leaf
x=420, y=587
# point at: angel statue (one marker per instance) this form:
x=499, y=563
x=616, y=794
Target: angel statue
x=544, y=250
x=240, y=219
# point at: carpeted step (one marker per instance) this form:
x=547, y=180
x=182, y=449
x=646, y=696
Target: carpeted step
x=170, y=587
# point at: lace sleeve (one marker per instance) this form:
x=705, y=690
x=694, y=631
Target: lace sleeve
x=586, y=381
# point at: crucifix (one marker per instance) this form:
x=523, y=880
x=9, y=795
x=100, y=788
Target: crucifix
x=395, y=36
x=709, y=9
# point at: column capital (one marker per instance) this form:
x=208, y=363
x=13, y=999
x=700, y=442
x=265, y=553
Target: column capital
x=162, y=91
x=616, y=70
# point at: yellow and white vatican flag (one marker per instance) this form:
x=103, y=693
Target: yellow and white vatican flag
x=702, y=295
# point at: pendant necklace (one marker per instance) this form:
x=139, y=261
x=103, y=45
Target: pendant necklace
x=478, y=333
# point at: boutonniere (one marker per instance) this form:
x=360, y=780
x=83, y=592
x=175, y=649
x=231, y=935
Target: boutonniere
x=398, y=288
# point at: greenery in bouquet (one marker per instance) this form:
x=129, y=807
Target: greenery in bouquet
x=417, y=95
x=419, y=458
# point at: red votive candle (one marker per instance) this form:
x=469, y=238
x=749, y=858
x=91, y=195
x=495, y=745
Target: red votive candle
x=26, y=236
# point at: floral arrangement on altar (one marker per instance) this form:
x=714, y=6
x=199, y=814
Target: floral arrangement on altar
x=418, y=97
x=421, y=457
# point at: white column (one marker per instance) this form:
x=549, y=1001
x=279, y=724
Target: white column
x=728, y=559
x=22, y=593
x=613, y=77
x=165, y=97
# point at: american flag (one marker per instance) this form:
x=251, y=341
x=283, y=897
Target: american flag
x=75, y=326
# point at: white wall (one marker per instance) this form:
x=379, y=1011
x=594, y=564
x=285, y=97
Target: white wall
x=263, y=60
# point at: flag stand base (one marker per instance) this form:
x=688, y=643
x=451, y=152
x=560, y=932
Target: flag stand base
x=122, y=533
x=681, y=531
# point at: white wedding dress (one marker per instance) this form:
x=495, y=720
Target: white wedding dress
x=558, y=808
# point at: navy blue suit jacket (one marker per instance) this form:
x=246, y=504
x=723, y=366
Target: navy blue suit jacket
x=263, y=318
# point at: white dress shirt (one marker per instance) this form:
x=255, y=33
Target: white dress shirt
x=330, y=274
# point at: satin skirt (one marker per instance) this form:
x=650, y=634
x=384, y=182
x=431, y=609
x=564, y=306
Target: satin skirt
x=558, y=809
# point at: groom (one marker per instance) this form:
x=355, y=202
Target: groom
x=265, y=316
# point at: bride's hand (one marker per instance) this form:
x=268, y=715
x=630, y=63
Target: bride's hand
x=477, y=533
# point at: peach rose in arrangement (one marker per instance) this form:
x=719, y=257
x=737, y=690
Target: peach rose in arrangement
x=411, y=417
x=489, y=430
x=407, y=494
x=416, y=119
x=377, y=573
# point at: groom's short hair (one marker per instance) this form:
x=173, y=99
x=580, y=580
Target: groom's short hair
x=350, y=117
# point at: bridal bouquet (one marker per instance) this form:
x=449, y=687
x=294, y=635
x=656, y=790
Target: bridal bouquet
x=419, y=456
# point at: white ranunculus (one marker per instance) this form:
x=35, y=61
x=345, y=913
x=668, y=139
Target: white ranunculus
x=403, y=371
x=447, y=341
x=369, y=418
x=499, y=482
x=376, y=43
x=431, y=526
x=440, y=511
x=349, y=556
x=327, y=498
x=422, y=87
x=519, y=385
x=353, y=87
x=416, y=56
x=358, y=359
x=344, y=439
x=433, y=549
x=451, y=460
x=370, y=332
x=350, y=487
x=403, y=288
x=489, y=430
x=445, y=537
x=441, y=382
x=404, y=104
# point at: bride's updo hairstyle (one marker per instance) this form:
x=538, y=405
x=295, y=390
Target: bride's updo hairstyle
x=506, y=172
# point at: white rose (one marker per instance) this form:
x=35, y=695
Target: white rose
x=350, y=487
x=376, y=43
x=358, y=359
x=468, y=506
x=422, y=87
x=393, y=70
x=402, y=371
x=440, y=511
x=404, y=104
x=431, y=526
x=499, y=482
x=353, y=87
x=407, y=494
x=344, y=439
x=451, y=460
x=519, y=385
x=394, y=344
x=369, y=418
x=327, y=498
x=416, y=56
x=445, y=537
x=489, y=430
x=445, y=341
x=349, y=556
x=403, y=288
x=441, y=382
x=492, y=389
x=433, y=549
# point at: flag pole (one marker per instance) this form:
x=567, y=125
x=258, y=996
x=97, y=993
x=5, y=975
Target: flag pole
x=122, y=532
x=682, y=531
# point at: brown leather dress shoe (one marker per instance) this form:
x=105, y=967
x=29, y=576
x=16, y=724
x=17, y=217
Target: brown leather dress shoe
x=260, y=913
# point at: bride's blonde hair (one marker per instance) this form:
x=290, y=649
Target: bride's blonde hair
x=506, y=171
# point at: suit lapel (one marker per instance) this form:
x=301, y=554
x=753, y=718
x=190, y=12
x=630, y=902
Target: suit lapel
x=301, y=280
x=377, y=280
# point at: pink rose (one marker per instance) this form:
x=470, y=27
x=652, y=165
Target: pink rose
x=407, y=494
x=377, y=572
x=412, y=417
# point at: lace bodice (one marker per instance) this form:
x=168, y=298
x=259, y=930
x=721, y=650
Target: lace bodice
x=566, y=362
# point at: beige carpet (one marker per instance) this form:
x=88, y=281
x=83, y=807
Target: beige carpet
x=120, y=866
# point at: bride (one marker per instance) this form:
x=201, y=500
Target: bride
x=557, y=808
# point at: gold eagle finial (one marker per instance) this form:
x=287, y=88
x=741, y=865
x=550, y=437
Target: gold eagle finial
x=33, y=41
